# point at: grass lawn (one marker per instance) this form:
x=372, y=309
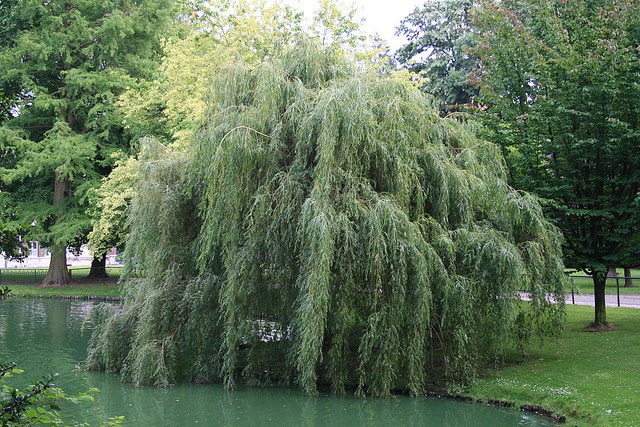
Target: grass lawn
x=583, y=284
x=70, y=291
x=23, y=283
x=590, y=377
x=33, y=276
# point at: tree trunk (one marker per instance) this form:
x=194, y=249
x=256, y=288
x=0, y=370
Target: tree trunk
x=599, y=280
x=628, y=281
x=58, y=273
x=98, y=267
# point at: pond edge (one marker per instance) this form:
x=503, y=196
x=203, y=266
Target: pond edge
x=532, y=408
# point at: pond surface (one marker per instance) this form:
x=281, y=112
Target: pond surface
x=44, y=336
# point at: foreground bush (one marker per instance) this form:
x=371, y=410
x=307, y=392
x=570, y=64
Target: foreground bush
x=39, y=403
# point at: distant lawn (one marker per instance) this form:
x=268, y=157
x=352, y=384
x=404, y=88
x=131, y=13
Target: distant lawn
x=79, y=273
x=592, y=378
x=23, y=283
x=34, y=276
x=583, y=284
x=70, y=291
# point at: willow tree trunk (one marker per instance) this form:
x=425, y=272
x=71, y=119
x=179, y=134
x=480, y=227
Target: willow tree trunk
x=599, y=281
x=58, y=273
x=628, y=281
x=98, y=267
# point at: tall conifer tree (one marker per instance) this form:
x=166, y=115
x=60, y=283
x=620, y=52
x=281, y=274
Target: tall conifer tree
x=68, y=60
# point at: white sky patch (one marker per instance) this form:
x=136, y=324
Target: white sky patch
x=381, y=16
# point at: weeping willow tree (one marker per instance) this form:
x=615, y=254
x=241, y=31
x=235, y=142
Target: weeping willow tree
x=345, y=235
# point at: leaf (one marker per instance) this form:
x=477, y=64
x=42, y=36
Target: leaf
x=31, y=413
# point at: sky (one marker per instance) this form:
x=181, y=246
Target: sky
x=381, y=16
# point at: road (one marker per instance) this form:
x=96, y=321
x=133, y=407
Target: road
x=629, y=300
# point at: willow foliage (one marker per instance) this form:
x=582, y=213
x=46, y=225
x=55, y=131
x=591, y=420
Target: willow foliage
x=346, y=235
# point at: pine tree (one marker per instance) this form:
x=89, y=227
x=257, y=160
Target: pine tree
x=67, y=62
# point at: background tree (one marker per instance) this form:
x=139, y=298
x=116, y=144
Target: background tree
x=345, y=234
x=9, y=28
x=10, y=244
x=111, y=207
x=440, y=35
x=628, y=278
x=70, y=60
x=335, y=27
x=563, y=77
x=172, y=106
x=10, y=231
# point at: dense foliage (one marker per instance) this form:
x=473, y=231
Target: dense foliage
x=439, y=38
x=171, y=107
x=62, y=66
x=344, y=235
x=39, y=403
x=560, y=80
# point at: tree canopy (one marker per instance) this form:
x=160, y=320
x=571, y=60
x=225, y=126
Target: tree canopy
x=66, y=63
x=440, y=35
x=345, y=235
x=171, y=107
x=560, y=81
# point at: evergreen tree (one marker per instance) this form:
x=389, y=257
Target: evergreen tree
x=68, y=61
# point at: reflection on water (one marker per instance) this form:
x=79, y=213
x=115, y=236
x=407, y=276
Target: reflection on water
x=45, y=335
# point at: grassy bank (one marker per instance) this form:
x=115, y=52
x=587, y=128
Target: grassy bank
x=584, y=285
x=592, y=378
x=10, y=276
x=70, y=291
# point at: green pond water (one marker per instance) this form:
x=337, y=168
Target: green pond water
x=46, y=336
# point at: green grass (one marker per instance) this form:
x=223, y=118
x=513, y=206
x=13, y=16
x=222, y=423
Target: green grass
x=22, y=283
x=79, y=273
x=590, y=377
x=583, y=284
x=69, y=291
x=10, y=276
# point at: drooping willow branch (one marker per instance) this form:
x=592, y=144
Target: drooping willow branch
x=352, y=237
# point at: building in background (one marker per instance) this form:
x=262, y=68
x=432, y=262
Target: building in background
x=39, y=257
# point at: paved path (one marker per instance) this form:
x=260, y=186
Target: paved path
x=629, y=300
